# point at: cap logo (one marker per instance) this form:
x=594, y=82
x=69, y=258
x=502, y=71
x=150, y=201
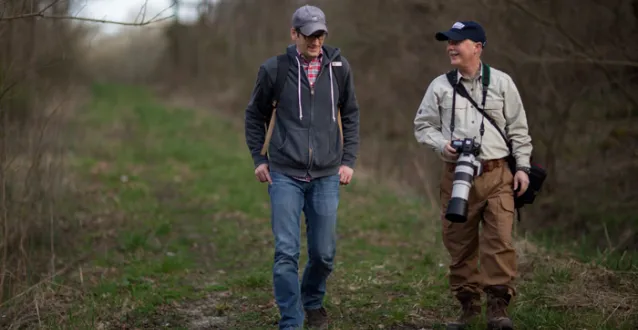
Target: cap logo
x=458, y=25
x=314, y=18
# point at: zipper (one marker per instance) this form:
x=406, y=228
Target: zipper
x=312, y=106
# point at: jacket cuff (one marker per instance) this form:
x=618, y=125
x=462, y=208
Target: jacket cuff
x=258, y=160
x=522, y=162
x=349, y=163
x=441, y=146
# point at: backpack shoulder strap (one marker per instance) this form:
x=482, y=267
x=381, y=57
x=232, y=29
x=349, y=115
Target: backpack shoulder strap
x=340, y=74
x=277, y=88
x=280, y=79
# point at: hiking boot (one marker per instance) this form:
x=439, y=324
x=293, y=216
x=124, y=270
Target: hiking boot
x=498, y=298
x=317, y=318
x=470, y=309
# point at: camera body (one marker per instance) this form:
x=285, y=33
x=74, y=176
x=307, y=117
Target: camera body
x=466, y=146
x=467, y=167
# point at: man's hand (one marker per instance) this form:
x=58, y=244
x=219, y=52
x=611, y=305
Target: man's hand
x=263, y=174
x=345, y=174
x=521, y=181
x=449, y=152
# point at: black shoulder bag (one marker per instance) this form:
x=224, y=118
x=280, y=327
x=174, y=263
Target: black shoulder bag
x=537, y=173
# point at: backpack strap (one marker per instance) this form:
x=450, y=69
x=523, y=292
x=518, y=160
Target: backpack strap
x=278, y=87
x=340, y=74
x=280, y=80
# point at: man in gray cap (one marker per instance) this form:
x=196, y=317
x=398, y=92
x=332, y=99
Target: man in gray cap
x=505, y=150
x=306, y=99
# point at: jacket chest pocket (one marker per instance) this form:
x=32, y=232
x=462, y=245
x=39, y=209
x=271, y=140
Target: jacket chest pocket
x=461, y=105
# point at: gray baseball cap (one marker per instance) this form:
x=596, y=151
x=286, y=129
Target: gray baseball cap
x=309, y=19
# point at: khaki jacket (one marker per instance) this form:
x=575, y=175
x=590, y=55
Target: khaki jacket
x=503, y=104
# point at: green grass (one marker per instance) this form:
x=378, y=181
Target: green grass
x=190, y=239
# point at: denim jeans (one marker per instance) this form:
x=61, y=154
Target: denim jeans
x=318, y=199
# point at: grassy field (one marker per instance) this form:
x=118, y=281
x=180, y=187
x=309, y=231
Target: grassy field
x=182, y=240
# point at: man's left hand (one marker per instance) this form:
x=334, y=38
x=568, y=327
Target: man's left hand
x=345, y=174
x=521, y=180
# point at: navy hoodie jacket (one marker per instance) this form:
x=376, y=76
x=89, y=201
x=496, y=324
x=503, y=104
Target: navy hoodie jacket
x=305, y=138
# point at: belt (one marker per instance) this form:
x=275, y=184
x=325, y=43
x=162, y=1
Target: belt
x=488, y=165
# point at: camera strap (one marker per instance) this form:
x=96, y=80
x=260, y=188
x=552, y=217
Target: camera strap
x=458, y=87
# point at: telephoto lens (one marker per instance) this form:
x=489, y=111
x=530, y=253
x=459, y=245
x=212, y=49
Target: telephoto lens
x=466, y=168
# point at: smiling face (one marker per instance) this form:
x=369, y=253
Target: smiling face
x=464, y=53
x=309, y=46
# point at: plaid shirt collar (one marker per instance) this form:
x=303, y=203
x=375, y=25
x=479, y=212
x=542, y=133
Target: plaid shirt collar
x=312, y=67
x=313, y=61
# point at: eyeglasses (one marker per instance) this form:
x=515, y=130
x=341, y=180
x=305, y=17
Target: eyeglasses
x=320, y=36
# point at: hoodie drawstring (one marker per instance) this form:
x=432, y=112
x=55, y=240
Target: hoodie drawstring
x=332, y=94
x=299, y=87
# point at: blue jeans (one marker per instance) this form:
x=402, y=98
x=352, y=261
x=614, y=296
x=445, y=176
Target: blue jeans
x=318, y=200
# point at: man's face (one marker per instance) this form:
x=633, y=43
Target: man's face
x=462, y=52
x=309, y=46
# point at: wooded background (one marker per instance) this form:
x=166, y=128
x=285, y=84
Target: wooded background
x=576, y=67
x=575, y=64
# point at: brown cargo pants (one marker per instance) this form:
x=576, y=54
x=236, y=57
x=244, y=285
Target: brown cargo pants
x=491, y=204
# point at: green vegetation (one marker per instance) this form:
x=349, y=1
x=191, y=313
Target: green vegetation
x=187, y=243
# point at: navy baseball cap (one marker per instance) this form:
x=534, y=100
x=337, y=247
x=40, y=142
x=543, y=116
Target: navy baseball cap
x=463, y=30
x=309, y=19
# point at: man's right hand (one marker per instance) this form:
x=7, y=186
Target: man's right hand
x=263, y=174
x=449, y=152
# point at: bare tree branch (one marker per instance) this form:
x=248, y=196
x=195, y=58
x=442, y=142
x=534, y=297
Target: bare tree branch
x=142, y=11
x=582, y=49
x=42, y=14
x=87, y=19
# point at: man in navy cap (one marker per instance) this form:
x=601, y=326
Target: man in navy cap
x=312, y=142
x=443, y=116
